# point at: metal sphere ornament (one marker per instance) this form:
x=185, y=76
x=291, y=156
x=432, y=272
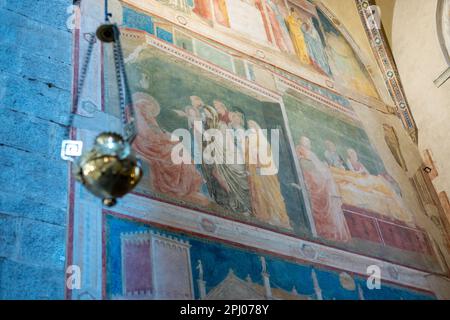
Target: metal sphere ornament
x=110, y=170
x=105, y=33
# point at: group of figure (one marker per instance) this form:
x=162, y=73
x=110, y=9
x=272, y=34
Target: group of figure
x=309, y=46
x=237, y=187
x=217, y=9
x=325, y=189
x=292, y=34
x=326, y=201
x=301, y=30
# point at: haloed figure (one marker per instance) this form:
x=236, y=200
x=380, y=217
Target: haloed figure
x=315, y=47
x=294, y=24
x=222, y=110
x=196, y=113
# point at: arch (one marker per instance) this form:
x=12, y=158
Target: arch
x=361, y=57
x=443, y=27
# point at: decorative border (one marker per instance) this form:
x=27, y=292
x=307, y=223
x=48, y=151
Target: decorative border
x=319, y=98
x=196, y=61
x=387, y=65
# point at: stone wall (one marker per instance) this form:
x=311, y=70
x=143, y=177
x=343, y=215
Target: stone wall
x=35, y=98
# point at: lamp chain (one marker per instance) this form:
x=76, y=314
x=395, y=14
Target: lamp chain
x=82, y=77
x=124, y=89
x=124, y=92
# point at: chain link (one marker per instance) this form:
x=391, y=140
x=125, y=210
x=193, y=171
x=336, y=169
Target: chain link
x=124, y=92
x=119, y=79
x=82, y=77
x=125, y=96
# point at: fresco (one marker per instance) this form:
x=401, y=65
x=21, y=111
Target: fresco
x=206, y=231
x=354, y=200
x=220, y=55
x=298, y=29
x=153, y=263
x=344, y=64
x=354, y=203
x=170, y=94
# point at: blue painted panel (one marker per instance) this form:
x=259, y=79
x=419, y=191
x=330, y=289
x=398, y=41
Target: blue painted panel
x=136, y=20
x=164, y=35
x=217, y=259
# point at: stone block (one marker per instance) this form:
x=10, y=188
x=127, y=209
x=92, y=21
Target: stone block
x=22, y=281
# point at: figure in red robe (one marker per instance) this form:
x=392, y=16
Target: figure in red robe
x=203, y=9
x=326, y=203
x=180, y=181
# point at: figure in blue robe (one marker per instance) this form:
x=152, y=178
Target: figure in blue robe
x=316, y=50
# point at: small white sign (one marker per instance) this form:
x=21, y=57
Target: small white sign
x=71, y=148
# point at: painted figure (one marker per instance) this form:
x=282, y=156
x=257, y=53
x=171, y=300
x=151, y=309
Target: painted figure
x=280, y=31
x=267, y=201
x=354, y=164
x=294, y=24
x=221, y=12
x=345, y=66
x=326, y=203
x=203, y=8
x=228, y=183
x=316, y=48
x=181, y=181
x=222, y=110
x=332, y=157
x=196, y=112
x=379, y=193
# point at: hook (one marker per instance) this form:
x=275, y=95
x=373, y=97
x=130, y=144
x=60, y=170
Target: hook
x=107, y=13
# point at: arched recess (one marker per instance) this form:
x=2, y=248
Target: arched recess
x=443, y=27
x=360, y=55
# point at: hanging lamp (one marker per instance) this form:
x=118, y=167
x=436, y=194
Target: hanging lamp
x=110, y=169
